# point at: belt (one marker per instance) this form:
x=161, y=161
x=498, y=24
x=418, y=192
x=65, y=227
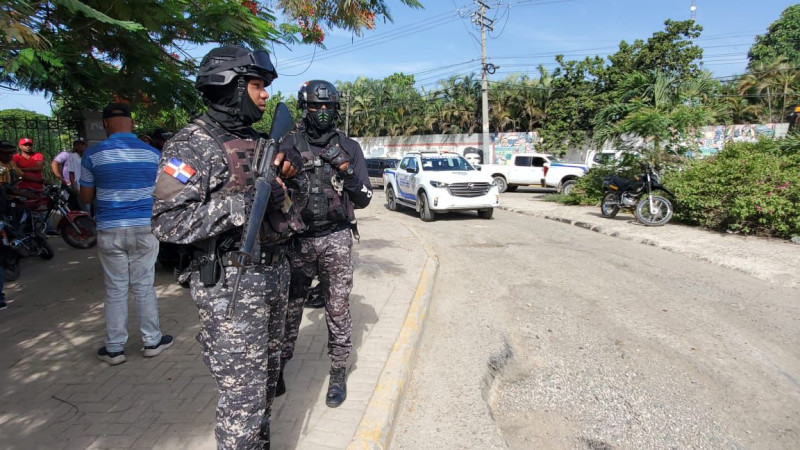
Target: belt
x=324, y=230
x=267, y=257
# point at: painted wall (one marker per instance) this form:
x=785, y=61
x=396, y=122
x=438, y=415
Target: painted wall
x=711, y=139
x=468, y=145
x=397, y=146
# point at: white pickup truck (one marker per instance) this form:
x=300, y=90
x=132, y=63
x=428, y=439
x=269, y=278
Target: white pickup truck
x=524, y=169
x=563, y=176
x=439, y=182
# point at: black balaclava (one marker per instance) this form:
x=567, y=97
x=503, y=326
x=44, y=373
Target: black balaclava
x=320, y=125
x=231, y=106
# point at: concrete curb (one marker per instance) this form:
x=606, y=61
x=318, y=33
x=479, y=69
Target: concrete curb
x=585, y=225
x=377, y=423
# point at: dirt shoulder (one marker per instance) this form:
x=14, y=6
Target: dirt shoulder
x=774, y=260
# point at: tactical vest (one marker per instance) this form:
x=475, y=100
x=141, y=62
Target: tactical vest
x=327, y=202
x=278, y=225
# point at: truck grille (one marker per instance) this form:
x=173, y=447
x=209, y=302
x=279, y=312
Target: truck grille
x=469, y=189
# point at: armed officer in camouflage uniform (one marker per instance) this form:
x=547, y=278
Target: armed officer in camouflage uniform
x=336, y=172
x=203, y=195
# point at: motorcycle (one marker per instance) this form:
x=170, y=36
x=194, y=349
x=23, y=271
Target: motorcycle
x=25, y=230
x=77, y=228
x=9, y=256
x=637, y=194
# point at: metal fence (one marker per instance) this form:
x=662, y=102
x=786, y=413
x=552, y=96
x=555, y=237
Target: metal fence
x=50, y=136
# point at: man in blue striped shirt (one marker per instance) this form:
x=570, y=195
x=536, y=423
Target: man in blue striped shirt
x=120, y=174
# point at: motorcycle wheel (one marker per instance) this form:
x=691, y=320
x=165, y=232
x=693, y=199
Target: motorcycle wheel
x=662, y=211
x=610, y=205
x=45, y=251
x=11, y=269
x=87, y=238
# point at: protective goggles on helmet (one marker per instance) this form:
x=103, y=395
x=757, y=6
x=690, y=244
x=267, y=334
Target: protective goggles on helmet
x=255, y=64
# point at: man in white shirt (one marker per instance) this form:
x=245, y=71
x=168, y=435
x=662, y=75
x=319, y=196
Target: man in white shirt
x=72, y=173
x=60, y=163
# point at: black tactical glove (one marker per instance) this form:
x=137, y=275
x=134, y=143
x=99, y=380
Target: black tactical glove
x=294, y=157
x=334, y=156
x=276, y=196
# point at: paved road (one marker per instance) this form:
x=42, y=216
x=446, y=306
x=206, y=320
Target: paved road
x=546, y=335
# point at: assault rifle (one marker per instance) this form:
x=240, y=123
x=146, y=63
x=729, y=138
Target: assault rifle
x=265, y=172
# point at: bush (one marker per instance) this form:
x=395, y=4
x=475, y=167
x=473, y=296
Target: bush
x=589, y=188
x=752, y=188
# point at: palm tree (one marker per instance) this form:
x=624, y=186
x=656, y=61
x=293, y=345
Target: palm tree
x=659, y=109
x=778, y=80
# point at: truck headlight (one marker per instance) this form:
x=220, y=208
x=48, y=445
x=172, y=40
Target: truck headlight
x=439, y=184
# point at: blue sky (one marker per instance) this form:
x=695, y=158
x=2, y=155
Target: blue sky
x=440, y=41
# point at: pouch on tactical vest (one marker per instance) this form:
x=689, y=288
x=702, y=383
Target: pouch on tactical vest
x=278, y=224
x=327, y=202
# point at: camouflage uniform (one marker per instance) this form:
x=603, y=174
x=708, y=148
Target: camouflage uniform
x=328, y=257
x=324, y=249
x=243, y=354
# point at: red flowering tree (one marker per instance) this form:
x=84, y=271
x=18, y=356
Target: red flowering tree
x=83, y=51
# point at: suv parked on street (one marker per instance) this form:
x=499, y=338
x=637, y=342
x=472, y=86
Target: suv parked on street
x=434, y=183
x=375, y=168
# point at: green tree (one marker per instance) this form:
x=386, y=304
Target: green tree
x=735, y=108
x=671, y=51
x=777, y=82
x=576, y=98
x=135, y=50
x=782, y=39
x=659, y=109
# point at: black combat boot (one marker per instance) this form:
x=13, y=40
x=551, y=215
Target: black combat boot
x=337, y=388
x=280, y=389
x=316, y=297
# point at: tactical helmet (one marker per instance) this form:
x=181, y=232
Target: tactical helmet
x=222, y=65
x=317, y=91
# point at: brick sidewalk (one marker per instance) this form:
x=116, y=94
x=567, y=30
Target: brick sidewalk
x=55, y=393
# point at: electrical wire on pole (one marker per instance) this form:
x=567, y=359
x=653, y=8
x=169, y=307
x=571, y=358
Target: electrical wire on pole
x=481, y=20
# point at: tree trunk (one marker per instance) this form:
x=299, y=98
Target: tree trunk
x=769, y=105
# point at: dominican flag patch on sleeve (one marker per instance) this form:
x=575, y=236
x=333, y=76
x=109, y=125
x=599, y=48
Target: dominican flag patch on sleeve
x=179, y=170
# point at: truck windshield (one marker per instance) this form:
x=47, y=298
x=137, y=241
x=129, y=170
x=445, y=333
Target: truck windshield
x=440, y=163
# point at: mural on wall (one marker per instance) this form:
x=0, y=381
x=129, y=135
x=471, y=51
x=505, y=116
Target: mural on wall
x=713, y=138
x=507, y=144
x=473, y=155
x=467, y=145
x=375, y=152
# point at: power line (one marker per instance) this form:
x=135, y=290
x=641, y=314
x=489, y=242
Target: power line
x=432, y=22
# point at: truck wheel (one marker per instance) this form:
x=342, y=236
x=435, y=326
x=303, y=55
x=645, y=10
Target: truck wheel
x=425, y=212
x=485, y=213
x=501, y=184
x=391, y=200
x=511, y=187
x=567, y=186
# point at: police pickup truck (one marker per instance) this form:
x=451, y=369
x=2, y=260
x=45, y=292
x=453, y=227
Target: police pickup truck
x=434, y=183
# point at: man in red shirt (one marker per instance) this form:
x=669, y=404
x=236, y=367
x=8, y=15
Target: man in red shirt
x=31, y=163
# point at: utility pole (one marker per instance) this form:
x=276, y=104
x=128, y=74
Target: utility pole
x=347, y=113
x=484, y=23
